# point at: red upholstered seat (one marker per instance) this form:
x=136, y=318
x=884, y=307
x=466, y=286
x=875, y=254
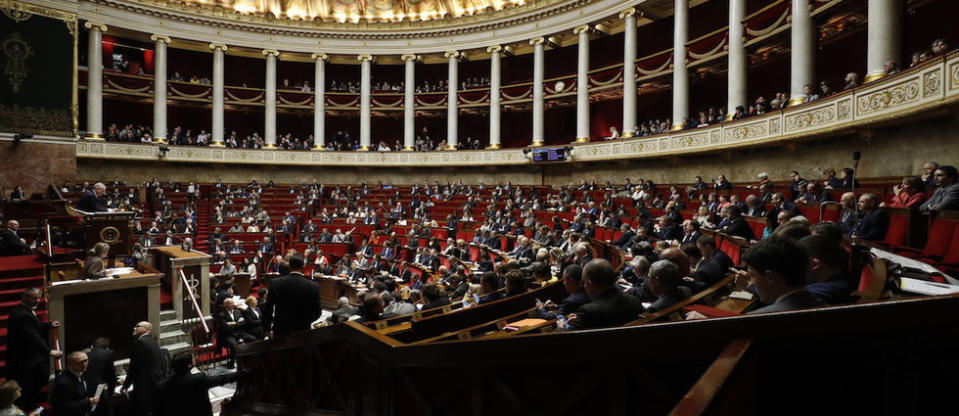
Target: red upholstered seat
x=731, y=249
x=898, y=230
x=940, y=236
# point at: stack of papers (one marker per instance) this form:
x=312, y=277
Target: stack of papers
x=927, y=288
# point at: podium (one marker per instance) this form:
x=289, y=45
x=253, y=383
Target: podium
x=196, y=267
x=113, y=228
x=106, y=307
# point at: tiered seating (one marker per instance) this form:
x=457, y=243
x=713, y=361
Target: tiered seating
x=17, y=273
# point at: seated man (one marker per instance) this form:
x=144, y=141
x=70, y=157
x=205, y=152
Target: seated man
x=572, y=281
x=873, y=221
x=827, y=278
x=664, y=279
x=777, y=268
x=715, y=262
x=946, y=196
x=230, y=323
x=737, y=225
x=608, y=306
x=489, y=287
x=11, y=244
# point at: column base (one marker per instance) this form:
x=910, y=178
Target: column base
x=493, y=146
x=408, y=148
x=94, y=137
x=318, y=148
x=160, y=140
x=450, y=147
x=796, y=100
x=678, y=127
x=581, y=140
x=217, y=144
x=627, y=134
x=364, y=148
x=270, y=146
x=729, y=117
x=537, y=143
x=874, y=76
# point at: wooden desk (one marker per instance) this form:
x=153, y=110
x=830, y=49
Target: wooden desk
x=331, y=290
x=196, y=268
x=105, y=307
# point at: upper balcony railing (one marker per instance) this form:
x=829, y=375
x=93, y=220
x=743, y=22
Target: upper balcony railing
x=930, y=86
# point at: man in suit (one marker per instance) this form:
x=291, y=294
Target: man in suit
x=777, y=268
x=737, y=225
x=667, y=230
x=873, y=221
x=293, y=303
x=146, y=369
x=572, y=281
x=754, y=207
x=715, y=262
x=343, y=311
x=847, y=218
x=101, y=369
x=625, y=238
x=608, y=306
x=254, y=318
x=28, y=352
x=946, y=196
x=186, y=393
x=71, y=393
x=230, y=328
x=90, y=201
x=692, y=233
x=147, y=240
x=10, y=242
x=664, y=283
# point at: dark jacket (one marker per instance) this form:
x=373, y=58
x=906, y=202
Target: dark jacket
x=146, y=370
x=101, y=369
x=188, y=394
x=292, y=304
x=873, y=225
x=613, y=308
x=69, y=396
x=796, y=300
x=28, y=352
x=10, y=244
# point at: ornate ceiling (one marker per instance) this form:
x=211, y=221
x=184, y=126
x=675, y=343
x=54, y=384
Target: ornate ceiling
x=357, y=10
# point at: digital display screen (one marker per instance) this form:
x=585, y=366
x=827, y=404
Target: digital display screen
x=549, y=155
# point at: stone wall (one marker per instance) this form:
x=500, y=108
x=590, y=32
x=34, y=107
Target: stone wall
x=35, y=164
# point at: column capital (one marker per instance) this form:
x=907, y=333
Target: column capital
x=364, y=58
x=630, y=12
x=410, y=57
x=537, y=41
x=220, y=46
x=94, y=25
x=494, y=48
x=582, y=29
x=160, y=38
x=319, y=56
x=452, y=54
x=270, y=52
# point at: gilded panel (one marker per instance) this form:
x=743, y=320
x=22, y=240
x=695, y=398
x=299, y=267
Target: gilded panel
x=844, y=109
x=813, y=118
x=931, y=83
x=888, y=97
x=744, y=132
x=691, y=140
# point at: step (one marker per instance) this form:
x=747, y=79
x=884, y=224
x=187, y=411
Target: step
x=177, y=347
x=167, y=315
x=172, y=337
x=169, y=325
x=22, y=282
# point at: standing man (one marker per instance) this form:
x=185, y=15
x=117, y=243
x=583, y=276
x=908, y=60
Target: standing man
x=28, y=351
x=293, y=302
x=71, y=393
x=90, y=201
x=101, y=370
x=146, y=369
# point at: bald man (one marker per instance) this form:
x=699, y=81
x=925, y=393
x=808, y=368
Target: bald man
x=146, y=369
x=71, y=394
x=10, y=242
x=609, y=306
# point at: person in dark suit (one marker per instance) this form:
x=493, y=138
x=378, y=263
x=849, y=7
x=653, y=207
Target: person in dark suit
x=664, y=282
x=777, y=268
x=10, y=242
x=667, y=230
x=715, y=262
x=754, y=207
x=101, y=369
x=253, y=317
x=343, y=312
x=90, y=201
x=230, y=329
x=625, y=239
x=737, y=225
x=572, y=281
x=692, y=233
x=873, y=221
x=185, y=393
x=293, y=302
x=946, y=197
x=28, y=352
x=71, y=393
x=433, y=296
x=146, y=369
x=608, y=306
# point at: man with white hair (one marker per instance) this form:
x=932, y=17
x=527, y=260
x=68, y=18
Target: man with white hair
x=10, y=242
x=90, y=201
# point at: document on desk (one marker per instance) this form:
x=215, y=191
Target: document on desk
x=927, y=288
x=119, y=271
x=910, y=263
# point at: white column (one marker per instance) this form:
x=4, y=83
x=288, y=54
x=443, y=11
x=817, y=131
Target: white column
x=680, y=73
x=803, y=65
x=494, y=96
x=319, y=101
x=582, y=84
x=538, y=63
x=884, y=33
x=95, y=81
x=736, y=93
x=629, y=71
x=218, y=84
x=452, y=112
x=159, y=87
x=365, y=62
x=269, y=130
x=409, y=97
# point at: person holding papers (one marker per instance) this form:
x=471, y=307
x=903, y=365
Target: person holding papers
x=93, y=267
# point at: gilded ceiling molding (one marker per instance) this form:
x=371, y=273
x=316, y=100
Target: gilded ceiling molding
x=94, y=25
x=410, y=57
x=270, y=52
x=160, y=38
x=319, y=57
x=214, y=46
